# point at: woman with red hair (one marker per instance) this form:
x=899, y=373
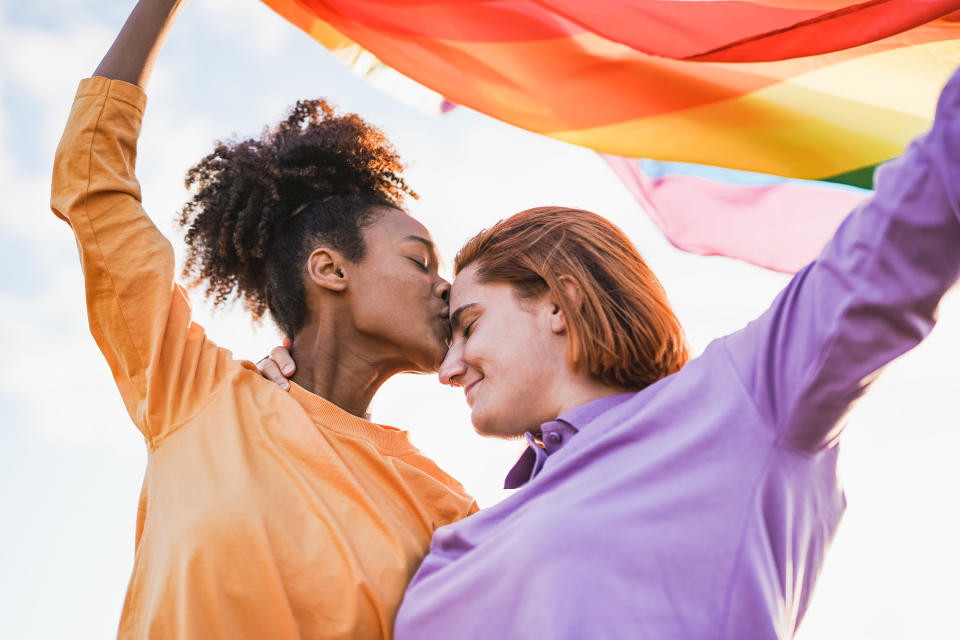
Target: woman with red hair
x=663, y=498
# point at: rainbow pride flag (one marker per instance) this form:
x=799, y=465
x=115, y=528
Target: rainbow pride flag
x=772, y=222
x=797, y=100
x=714, y=82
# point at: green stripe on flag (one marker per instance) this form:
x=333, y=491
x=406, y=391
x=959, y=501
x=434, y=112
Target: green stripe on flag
x=862, y=177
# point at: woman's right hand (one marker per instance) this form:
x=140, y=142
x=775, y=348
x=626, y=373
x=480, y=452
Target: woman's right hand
x=279, y=365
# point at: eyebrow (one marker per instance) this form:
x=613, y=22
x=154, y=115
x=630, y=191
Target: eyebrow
x=432, y=248
x=455, y=316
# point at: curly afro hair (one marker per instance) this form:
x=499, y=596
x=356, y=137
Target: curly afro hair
x=261, y=206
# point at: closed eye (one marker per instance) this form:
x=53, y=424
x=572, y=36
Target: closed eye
x=422, y=265
x=468, y=329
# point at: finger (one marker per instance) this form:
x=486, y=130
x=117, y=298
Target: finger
x=284, y=360
x=270, y=371
x=286, y=342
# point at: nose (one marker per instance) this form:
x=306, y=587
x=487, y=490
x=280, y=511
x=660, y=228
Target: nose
x=442, y=290
x=453, y=367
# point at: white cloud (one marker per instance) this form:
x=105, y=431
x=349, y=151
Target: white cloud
x=252, y=24
x=55, y=59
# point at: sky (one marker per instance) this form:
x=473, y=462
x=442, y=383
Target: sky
x=71, y=463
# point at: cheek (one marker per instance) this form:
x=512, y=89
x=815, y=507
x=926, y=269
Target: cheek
x=518, y=357
x=510, y=370
x=392, y=295
x=385, y=312
x=521, y=381
x=410, y=288
x=527, y=353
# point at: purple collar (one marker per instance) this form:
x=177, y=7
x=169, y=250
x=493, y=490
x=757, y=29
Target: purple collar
x=555, y=434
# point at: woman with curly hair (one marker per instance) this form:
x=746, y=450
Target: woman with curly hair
x=263, y=514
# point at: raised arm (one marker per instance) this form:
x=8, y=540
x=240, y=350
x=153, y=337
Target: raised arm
x=870, y=296
x=134, y=52
x=162, y=363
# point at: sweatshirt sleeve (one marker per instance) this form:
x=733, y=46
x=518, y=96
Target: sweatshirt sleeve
x=163, y=364
x=870, y=296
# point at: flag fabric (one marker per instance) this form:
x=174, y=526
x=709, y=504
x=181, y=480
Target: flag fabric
x=747, y=31
x=684, y=81
x=797, y=100
x=776, y=223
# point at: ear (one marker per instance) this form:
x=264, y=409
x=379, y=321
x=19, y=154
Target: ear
x=558, y=322
x=326, y=269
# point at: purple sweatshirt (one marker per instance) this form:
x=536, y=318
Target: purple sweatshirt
x=702, y=506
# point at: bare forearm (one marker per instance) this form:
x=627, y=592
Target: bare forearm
x=133, y=53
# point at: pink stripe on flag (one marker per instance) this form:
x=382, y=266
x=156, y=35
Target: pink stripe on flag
x=780, y=226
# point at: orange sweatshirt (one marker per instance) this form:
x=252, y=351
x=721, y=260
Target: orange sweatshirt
x=263, y=514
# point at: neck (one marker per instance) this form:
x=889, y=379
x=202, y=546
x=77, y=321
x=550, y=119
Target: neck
x=582, y=389
x=343, y=371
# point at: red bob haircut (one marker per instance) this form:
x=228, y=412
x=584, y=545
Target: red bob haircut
x=623, y=332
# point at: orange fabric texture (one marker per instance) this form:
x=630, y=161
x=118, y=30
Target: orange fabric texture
x=264, y=514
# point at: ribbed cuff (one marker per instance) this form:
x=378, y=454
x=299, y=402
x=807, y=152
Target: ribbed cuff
x=114, y=90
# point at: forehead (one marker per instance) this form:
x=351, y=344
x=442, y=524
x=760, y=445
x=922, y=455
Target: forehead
x=466, y=289
x=393, y=224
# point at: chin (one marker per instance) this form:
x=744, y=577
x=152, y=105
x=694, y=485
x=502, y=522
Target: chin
x=427, y=357
x=435, y=359
x=437, y=354
x=491, y=428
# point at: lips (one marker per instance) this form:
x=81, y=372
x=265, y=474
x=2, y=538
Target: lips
x=470, y=387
